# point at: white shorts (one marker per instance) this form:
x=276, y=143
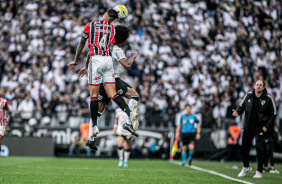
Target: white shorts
x=2, y=130
x=100, y=70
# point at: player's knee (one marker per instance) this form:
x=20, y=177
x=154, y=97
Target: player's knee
x=135, y=97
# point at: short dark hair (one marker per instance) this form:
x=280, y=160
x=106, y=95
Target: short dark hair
x=263, y=83
x=187, y=105
x=112, y=13
x=122, y=33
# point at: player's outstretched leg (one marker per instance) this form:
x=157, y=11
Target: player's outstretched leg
x=132, y=115
x=129, y=128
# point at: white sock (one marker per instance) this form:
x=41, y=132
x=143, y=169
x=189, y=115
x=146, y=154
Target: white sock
x=126, y=156
x=120, y=154
x=128, y=121
x=132, y=104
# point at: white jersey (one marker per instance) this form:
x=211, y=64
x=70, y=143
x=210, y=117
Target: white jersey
x=122, y=118
x=117, y=55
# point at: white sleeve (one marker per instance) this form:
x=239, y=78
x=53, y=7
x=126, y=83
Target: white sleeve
x=118, y=54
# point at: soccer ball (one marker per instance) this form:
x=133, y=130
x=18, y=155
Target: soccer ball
x=122, y=11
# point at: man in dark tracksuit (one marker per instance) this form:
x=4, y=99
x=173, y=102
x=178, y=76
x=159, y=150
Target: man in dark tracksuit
x=259, y=118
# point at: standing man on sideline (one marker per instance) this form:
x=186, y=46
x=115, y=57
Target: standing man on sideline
x=259, y=118
x=187, y=125
x=4, y=113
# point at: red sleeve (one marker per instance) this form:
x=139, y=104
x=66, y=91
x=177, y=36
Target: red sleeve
x=86, y=31
x=113, y=36
x=6, y=104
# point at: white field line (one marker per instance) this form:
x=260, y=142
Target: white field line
x=213, y=172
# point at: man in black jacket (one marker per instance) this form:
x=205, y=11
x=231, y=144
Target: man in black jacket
x=259, y=118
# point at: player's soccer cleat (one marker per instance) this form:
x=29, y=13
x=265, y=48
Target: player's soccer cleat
x=120, y=162
x=258, y=175
x=125, y=164
x=265, y=170
x=183, y=164
x=273, y=171
x=129, y=128
x=244, y=171
x=134, y=118
x=95, y=131
x=92, y=146
x=190, y=163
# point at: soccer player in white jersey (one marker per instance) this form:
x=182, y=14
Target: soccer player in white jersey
x=123, y=136
x=101, y=38
x=4, y=113
x=122, y=88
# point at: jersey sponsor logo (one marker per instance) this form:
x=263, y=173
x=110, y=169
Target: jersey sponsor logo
x=98, y=24
x=98, y=78
x=184, y=121
x=191, y=121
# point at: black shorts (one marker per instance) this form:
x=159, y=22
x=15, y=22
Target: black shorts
x=126, y=137
x=188, y=138
x=121, y=89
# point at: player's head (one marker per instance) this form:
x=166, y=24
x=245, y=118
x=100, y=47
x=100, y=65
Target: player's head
x=111, y=15
x=188, y=108
x=122, y=34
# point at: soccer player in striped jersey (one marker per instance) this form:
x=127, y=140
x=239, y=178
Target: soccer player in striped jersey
x=123, y=136
x=122, y=88
x=101, y=38
x=4, y=113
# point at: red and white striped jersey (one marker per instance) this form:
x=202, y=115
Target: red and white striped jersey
x=3, y=106
x=100, y=35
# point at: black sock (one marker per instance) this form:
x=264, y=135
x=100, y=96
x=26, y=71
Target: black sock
x=121, y=103
x=94, y=110
x=135, y=98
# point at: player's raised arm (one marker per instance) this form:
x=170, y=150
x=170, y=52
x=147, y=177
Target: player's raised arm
x=81, y=44
x=127, y=63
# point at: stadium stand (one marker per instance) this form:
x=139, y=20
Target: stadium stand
x=205, y=53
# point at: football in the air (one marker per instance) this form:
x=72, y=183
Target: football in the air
x=122, y=11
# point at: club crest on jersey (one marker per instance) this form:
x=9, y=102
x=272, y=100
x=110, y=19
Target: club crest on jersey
x=120, y=91
x=191, y=121
x=262, y=102
x=184, y=121
x=121, y=55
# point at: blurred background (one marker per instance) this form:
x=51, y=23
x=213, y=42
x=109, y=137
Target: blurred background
x=205, y=53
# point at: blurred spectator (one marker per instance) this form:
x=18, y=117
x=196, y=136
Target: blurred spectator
x=79, y=144
x=105, y=147
x=189, y=51
x=26, y=108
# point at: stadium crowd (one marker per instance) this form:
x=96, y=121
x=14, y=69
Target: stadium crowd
x=205, y=53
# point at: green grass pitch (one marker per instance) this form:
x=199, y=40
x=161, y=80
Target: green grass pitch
x=90, y=170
